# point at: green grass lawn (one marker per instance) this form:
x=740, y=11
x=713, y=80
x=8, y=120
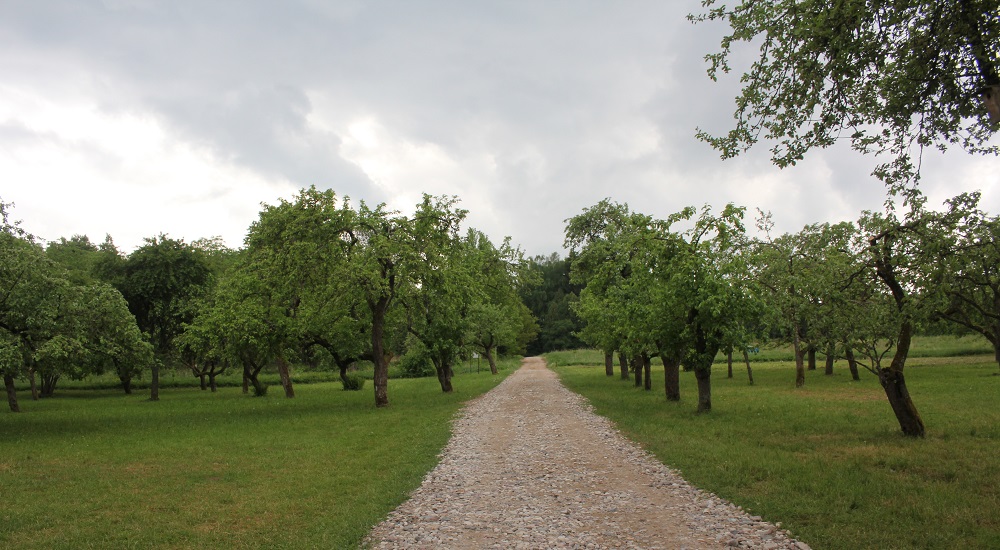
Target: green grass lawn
x=97, y=469
x=827, y=460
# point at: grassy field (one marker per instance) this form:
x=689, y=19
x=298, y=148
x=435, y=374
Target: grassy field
x=828, y=460
x=96, y=469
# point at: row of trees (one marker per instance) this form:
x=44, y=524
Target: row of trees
x=318, y=281
x=855, y=290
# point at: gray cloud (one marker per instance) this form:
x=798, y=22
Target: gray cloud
x=570, y=101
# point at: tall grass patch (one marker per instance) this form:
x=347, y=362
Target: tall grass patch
x=97, y=469
x=828, y=460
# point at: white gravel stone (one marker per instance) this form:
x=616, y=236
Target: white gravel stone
x=529, y=465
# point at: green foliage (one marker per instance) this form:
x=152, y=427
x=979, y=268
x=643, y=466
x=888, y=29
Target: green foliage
x=161, y=280
x=549, y=297
x=889, y=76
x=415, y=363
x=353, y=382
x=785, y=453
x=54, y=327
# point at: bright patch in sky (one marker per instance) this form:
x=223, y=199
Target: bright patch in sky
x=84, y=171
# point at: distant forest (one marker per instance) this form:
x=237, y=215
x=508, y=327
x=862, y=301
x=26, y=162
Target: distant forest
x=549, y=301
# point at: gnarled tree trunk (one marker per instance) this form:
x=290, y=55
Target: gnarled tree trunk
x=609, y=363
x=623, y=364
x=831, y=356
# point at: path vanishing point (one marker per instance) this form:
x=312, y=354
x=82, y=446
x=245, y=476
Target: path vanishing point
x=529, y=465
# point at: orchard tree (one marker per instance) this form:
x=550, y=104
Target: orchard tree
x=296, y=250
x=77, y=255
x=708, y=274
x=800, y=274
x=384, y=256
x=889, y=76
x=55, y=328
x=964, y=276
x=497, y=319
x=160, y=281
x=611, y=262
x=31, y=289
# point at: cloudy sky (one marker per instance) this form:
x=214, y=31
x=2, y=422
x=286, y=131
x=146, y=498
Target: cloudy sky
x=139, y=117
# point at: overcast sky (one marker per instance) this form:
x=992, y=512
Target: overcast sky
x=139, y=117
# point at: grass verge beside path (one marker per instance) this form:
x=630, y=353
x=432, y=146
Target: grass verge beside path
x=827, y=460
x=97, y=469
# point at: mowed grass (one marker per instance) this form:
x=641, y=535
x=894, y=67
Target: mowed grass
x=828, y=460
x=97, y=469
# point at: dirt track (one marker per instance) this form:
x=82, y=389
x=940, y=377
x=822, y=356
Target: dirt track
x=529, y=466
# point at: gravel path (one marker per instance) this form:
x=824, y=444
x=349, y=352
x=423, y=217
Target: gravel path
x=530, y=466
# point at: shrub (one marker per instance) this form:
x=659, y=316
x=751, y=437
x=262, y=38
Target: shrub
x=353, y=382
x=415, y=363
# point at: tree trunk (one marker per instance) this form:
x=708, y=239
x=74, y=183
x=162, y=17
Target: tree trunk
x=671, y=377
x=34, y=385
x=892, y=378
x=746, y=358
x=623, y=364
x=8, y=382
x=609, y=363
x=729, y=362
x=637, y=370
x=343, y=373
x=852, y=364
x=646, y=366
x=444, y=371
x=899, y=399
x=250, y=378
x=831, y=356
x=800, y=371
x=49, y=382
x=704, y=377
x=246, y=382
x=154, y=384
x=125, y=376
x=381, y=375
x=812, y=358
x=286, y=378
x=211, y=381
x=492, y=361
x=202, y=381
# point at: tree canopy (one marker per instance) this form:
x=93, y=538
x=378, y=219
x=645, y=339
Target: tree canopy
x=893, y=78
